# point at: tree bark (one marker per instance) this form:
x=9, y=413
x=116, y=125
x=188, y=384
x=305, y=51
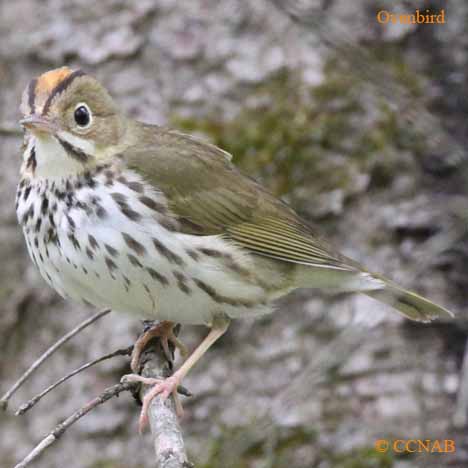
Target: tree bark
x=167, y=435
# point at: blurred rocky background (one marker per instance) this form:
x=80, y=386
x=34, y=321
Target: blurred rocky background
x=361, y=127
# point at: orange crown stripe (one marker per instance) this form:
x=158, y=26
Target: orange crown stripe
x=48, y=81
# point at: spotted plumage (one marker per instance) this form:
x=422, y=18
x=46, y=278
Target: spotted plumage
x=130, y=254
x=154, y=223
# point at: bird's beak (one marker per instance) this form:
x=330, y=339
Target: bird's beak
x=38, y=124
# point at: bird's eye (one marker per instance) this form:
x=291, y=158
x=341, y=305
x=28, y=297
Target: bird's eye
x=82, y=115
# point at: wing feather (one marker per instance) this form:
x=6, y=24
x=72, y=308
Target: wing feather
x=210, y=196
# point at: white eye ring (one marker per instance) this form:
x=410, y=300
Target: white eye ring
x=82, y=115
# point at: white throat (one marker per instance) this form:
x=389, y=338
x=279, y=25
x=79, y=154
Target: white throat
x=53, y=161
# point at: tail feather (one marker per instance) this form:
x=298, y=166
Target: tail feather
x=408, y=303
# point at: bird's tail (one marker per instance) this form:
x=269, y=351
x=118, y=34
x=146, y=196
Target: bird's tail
x=408, y=303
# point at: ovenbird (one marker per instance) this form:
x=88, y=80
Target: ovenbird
x=155, y=223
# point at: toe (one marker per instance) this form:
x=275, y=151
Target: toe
x=178, y=404
x=143, y=422
x=129, y=378
x=135, y=362
x=163, y=388
x=179, y=345
x=165, y=347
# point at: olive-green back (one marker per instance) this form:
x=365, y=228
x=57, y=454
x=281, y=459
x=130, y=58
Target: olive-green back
x=210, y=196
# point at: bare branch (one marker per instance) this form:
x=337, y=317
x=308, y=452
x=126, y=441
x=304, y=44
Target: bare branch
x=47, y=354
x=53, y=436
x=167, y=435
x=33, y=401
x=165, y=429
x=7, y=129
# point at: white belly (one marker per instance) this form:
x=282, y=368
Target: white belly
x=133, y=263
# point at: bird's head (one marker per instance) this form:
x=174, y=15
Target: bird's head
x=74, y=122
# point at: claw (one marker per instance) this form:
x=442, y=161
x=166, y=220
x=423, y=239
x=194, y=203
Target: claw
x=171, y=384
x=161, y=387
x=183, y=350
x=165, y=347
x=165, y=331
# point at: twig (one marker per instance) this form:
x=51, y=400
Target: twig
x=47, y=354
x=167, y=436
x=33, y=401
x=10, y=130
x=53, y=436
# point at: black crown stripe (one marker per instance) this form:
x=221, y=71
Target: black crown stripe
x=62, y=86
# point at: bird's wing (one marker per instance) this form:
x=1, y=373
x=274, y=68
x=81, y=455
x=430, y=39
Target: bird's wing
x=210, y=196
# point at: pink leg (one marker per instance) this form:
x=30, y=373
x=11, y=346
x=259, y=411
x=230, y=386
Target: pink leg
x=167, y=386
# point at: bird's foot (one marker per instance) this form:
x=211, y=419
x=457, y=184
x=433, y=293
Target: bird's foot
x=163, y=330
x=162, y=387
